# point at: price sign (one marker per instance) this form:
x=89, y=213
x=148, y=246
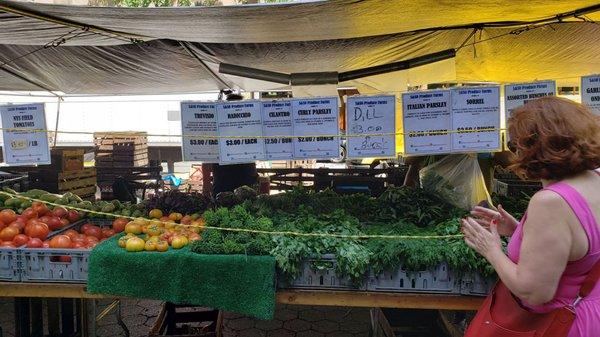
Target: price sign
x=199, y=119
x=23, y=146
x=516, y=95
x=315, y=123
x=243, y=123
x=375, y=118
x=427, y=120
x=590, y=92
x=277, y=121
x=476, y=119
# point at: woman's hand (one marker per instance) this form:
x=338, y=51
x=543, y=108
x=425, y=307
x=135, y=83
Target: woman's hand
x=506, y=222
x=485, y=242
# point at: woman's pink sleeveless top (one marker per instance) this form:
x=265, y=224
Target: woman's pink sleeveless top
x=587, y=323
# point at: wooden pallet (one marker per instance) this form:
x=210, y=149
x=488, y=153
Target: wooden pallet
x=81, y=183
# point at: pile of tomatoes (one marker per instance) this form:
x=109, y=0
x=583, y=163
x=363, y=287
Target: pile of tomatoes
x=32, y=227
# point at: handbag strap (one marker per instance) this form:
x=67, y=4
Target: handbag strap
x=590, y=281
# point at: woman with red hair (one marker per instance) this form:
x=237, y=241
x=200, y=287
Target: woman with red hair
x=556, y=244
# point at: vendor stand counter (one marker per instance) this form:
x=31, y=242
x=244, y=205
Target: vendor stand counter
x=295, y=297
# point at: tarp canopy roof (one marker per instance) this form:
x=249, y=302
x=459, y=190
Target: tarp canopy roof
x=107, y=50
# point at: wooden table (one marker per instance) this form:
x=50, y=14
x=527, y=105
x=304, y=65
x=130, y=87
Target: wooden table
x=299, y=297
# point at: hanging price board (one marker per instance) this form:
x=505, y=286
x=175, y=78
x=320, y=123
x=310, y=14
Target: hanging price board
x=199, y=119
x=590, y=92
x=316, y=128
x=242, y=122
x=476, y=119
x=516, y=95
x=371, y=125
x=427, y=120
x=22, y=145
x=277, y=121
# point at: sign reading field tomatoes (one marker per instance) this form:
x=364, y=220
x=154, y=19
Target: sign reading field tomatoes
x=23, y=145
x=375, y=118
x=316, y=128
x=476, y=119
x=242, y=122
x=590, y=92
x=516, y=95
x=277, y=122
x=427, y=121
x=199, y=119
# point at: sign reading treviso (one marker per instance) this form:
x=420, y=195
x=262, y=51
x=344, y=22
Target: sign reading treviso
x=25, y=138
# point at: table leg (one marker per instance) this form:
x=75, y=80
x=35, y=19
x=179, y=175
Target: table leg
x=88, y=317
x=53, y=317
x=66, y=314
x=22, y=317
x=37, y=317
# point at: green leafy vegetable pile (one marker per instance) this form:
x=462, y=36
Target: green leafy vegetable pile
x=398, y=211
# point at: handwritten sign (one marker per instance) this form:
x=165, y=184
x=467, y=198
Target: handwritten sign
x=516, y=95
x=427, y=120
x=23, y=146
x=590, y=92
x=243, y=123
x=199, y=119
x=315, y=123
x=476, y=119
x=375, y=118
x=277, y=121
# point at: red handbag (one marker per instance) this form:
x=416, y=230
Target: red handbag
x=501, y=314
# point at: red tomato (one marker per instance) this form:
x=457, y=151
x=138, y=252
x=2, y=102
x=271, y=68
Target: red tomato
x=91, y=245
x=79, y=245
x=20, y=239
x=40, y=208
x=7, y=244
x=94, y=231
x=18, y=225
x=54, y=223
x=64, y=222
x=46, y=244
x=8, y=233
x=73, y=216
x=34, y=243
x=71, y=233
x=85, y=227
x=29, y=213
x=89, y=239
x=78, y=238
x=37, y=230
x=64, y=258
x=32, y=221
x=119, y=224
x=8, y=216
x=59, y=212
x=107, y=232
x=61, y=241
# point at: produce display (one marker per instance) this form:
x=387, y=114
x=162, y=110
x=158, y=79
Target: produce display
x=398, y=211
x=32, y=226
x=175, y=220
x=159, y=233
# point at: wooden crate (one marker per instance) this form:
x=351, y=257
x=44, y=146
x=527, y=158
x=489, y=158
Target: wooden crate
x=81, y=183
x=187, y=321
x=121, y=149
x=66, y=160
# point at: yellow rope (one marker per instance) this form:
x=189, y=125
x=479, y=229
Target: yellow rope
x=254, y=231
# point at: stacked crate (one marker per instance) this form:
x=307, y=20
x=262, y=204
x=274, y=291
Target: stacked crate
x=119, y=154
x=65, y=174
x=121, y=149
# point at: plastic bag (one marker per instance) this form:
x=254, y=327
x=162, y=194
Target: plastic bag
x=457, y=179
